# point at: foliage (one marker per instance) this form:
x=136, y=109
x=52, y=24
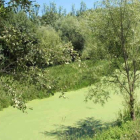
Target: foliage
x=82, y=9
x=93, y=48
x=70, y=30
x=49, y=18
x=49, y=41
x=22, y=51
x=9, y=64
x=18, y=45
x=127, y=131
x=110, y=32
x=54, y=52
x=15, y=5
x=51, y=14
x=118, y=28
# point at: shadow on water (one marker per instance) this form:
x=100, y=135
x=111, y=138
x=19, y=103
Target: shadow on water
x=83, y=128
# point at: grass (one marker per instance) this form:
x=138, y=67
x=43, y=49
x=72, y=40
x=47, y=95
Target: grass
x=56, y=118
x=78, y=75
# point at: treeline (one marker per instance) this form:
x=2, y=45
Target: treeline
x=51, y=39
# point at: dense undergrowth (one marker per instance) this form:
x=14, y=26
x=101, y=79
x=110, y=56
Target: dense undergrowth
x=61, y=78
x=127, y=131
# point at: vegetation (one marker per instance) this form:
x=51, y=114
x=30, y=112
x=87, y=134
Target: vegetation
x=59, y=78
x=120, y=20
x=60, y=52
x=70, y=30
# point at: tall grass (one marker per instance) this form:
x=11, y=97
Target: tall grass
x=78, y=75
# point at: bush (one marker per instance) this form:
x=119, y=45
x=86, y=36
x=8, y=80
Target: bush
x=54, y=52
x=18, y=42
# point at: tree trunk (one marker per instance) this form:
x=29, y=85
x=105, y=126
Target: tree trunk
x=132, y=109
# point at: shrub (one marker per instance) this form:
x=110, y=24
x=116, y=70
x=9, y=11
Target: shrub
x=18, y=42
x=53, y=50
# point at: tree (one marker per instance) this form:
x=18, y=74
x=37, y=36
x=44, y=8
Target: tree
x=17, y=5
x=70, y=30
x=92, y=50
x=50, y=14
x=73, y=10
x=54, y=51
x=83, y=8
x=118, y=29
x=16, y=55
